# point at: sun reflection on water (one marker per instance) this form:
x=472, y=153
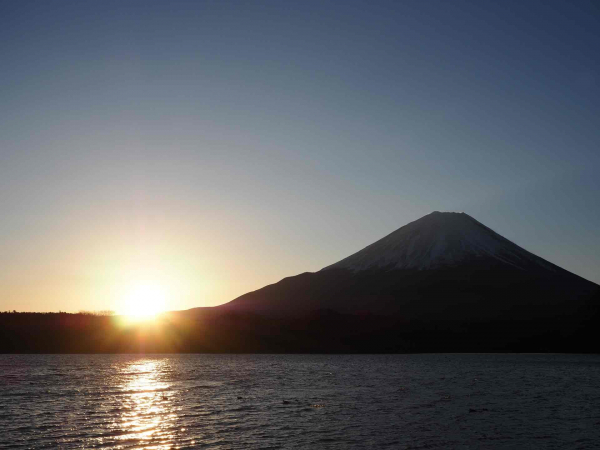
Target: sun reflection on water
x=148, y=415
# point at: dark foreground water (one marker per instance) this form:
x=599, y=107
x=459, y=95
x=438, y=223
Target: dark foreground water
x=299, y=401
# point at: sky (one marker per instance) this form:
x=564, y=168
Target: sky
x=211, y=148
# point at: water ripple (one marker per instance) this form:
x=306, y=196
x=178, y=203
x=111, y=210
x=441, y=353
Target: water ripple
x=299, y=401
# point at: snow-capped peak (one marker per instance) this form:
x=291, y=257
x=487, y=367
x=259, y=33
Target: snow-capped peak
x=437, y=240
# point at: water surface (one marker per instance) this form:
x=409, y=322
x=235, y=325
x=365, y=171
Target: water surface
x=299, y=401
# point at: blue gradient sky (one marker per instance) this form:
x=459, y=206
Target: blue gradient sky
x=220, y=146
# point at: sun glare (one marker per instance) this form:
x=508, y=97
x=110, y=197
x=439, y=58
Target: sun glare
x=144, y=301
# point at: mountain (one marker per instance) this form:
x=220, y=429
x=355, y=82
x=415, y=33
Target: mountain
x=443, y=266
x=443, y=283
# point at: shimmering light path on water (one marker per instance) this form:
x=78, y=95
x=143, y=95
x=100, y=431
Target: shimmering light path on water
x=299, y=401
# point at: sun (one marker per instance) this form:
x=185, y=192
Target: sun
x=143, y=300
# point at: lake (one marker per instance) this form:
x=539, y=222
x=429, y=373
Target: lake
x=300, y=401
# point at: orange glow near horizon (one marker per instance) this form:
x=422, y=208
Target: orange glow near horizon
x=143, y=301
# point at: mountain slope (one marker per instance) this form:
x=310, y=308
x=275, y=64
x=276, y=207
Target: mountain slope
x=442, y=267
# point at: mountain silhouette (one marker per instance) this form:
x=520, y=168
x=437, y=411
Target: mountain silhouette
x=443, y=283
x=442, y=267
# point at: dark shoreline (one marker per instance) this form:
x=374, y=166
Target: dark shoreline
x=323, y=332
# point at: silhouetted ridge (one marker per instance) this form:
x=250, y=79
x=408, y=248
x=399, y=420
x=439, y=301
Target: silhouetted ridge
x=443, y=266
